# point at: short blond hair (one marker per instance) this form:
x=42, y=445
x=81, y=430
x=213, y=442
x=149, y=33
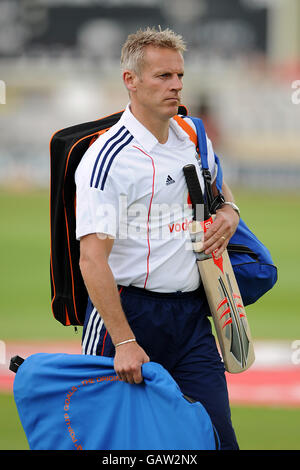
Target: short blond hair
x=132, y=55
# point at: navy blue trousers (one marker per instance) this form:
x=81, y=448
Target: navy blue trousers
x=175, y=331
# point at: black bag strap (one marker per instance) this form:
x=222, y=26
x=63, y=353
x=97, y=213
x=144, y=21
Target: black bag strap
x=214, y=202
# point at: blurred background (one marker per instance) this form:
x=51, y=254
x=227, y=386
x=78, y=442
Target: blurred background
x=59, y=66
x=59, y=60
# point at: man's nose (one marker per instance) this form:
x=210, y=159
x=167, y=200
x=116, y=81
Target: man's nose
x=177, y=83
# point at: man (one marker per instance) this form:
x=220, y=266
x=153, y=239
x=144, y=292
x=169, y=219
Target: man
x=135, y=259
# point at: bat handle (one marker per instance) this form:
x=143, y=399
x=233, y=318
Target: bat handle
x=195, y=193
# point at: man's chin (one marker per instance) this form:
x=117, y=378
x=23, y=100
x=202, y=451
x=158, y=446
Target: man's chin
x=172, y=108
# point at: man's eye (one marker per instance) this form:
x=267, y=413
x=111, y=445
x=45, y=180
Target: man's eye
x=169, y=75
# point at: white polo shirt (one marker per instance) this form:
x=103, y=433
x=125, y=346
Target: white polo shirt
x=132, y=188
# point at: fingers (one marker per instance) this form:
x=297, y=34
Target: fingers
x=131, y=375
x=216, y=240
x=216, y=244
x=128, y=363
x=217, y=236
x=134, y=376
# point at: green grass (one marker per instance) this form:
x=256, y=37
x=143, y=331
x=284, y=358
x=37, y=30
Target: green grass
x=274, y=219
x=259, y=428
x=12, y=436
x=25, y=306
x=25, y=303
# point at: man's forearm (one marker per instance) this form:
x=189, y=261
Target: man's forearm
x=103, y=291
x=218, y=235
x=227, y=193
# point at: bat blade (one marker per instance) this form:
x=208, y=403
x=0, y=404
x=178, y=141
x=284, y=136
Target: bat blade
x=228, y=314
x=222, y=292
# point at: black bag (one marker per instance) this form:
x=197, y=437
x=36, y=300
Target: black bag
x=67, y=147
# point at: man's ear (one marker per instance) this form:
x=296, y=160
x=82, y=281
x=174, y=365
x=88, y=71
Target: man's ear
x=130, y=79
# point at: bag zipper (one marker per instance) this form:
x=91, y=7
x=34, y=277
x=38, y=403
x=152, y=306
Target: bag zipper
x=236, y=248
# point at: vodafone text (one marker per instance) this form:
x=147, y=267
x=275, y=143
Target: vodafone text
x=151, y=459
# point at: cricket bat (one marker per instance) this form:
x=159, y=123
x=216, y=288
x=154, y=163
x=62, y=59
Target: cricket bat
x=221, y=288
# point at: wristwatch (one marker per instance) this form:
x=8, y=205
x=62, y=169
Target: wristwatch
x=234, y=207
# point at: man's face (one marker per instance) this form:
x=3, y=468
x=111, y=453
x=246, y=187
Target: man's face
x=159, y=84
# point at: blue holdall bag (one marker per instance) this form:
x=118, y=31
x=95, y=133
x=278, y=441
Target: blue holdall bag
x=252, y=263
x=77, y=402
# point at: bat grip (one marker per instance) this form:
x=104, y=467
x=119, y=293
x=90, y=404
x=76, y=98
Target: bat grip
x=195, y=193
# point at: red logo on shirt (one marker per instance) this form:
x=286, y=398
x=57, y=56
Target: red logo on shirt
x=178, y=227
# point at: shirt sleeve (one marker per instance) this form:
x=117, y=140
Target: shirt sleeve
x=97, y=210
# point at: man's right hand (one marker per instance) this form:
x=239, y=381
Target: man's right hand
x=128, y=362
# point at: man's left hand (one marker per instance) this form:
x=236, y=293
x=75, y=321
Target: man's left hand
x=217, y=236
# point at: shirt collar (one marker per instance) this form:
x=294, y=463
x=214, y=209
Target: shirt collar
x=139, y=132
x=142, y=134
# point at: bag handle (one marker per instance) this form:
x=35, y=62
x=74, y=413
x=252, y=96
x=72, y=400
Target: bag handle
x=214, y=202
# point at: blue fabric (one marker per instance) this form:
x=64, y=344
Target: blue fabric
x=254, y=277
x=202, y=144
x=69, y=402
x=175, y=331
